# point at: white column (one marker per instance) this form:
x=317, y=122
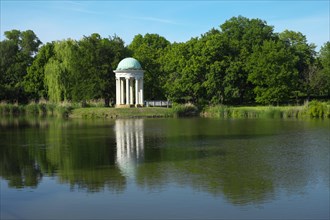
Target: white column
x=127, y=91
x=141, y=93
x=121, y=91
x=131, y=91
x=117, y=91
x=136, y=91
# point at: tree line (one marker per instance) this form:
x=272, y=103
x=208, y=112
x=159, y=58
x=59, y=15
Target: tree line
x=242, y=62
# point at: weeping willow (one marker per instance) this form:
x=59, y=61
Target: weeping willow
x=53, y=80
x=58, y=71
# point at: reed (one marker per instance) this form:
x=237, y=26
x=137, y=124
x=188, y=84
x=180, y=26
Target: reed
x=35, y=109
x=184, y=110
x=11, y=109
x=313, y=109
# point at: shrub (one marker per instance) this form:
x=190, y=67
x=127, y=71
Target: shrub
x=185, y=110
x=51, y=108
x=32, y=109
x=272, y=112
x=317, y=109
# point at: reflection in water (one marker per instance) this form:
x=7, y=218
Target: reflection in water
x=243, y=162
x=130, y=145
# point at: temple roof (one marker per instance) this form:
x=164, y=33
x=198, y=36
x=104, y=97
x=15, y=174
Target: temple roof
x=129, y=63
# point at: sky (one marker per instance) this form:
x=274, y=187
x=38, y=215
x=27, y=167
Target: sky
x=177, y=21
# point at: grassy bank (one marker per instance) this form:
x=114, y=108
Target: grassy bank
x=74, y=110
x=146, y=112
x=36, y=109
x=102, y=112
x=313, y=109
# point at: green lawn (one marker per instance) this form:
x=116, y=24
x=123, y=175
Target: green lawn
x=102, y=112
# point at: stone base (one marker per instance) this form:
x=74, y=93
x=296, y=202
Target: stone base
x=129, y=106
x=124, y=106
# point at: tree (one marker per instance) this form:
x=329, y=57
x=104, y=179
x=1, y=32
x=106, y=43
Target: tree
x=241, y=35
x=94, y=77
x=320, y=81
x=17, y=53
x=273, y=72
x=8, y=51
x=305, y=53
x=34, y=80
x=59, y=71
x=214, y=66
x=113, y=52
x=82, y=70
x=149, y=49
x=186, y=72
x=53, y=74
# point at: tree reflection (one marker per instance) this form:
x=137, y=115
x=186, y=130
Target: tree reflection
x=85, y=157
x=244, y=166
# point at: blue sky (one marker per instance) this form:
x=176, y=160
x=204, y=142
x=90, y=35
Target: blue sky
x=177, y=21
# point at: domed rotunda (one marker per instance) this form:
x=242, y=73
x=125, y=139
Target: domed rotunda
x=129, y=78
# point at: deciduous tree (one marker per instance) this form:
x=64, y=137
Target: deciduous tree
x=149, y=49
x=273, y=72
x=17, y=53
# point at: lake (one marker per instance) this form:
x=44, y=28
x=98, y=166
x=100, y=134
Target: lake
x=178, y=168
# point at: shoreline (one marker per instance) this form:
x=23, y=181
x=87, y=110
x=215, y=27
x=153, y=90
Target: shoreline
x=313, y=109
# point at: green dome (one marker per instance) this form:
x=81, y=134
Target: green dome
x=129, y=63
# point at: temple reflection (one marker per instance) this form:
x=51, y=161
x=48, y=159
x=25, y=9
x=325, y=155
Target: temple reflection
x=130, y=144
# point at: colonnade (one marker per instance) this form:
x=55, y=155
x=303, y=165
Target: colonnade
x=125, y=89
x=130, y=145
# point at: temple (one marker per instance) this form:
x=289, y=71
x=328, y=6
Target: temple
x=129, y=83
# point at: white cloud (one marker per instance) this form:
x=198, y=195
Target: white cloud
x=80, y=7
x=153, y=19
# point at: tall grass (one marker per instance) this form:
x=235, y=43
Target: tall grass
x=313, y=109
x=36, y=109
x=184, y=110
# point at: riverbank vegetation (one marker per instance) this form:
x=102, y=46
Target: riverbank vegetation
x=313, y=109
x=94, y=110
x=243, y=62
x=41, y=109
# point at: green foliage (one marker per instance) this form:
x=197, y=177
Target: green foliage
x=322, y=83
x=34, y=80
x=17, y=53
x=273, y=72
x=32, y=109
x=184, y=110
x=99, y=112
x=317, y=109
x=241, y=35
x=53, y=81
x=83, y=70
x=305, y=58
x=186, y=68
x=217, y=111
x=9, y=109
x=36, y=109
x=314, y=109
x=242, y=62
x=149, y=49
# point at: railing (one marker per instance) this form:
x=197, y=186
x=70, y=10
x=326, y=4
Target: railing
x=158, y=104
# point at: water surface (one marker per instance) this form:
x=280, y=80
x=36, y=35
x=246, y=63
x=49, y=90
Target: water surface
x=164, y=168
